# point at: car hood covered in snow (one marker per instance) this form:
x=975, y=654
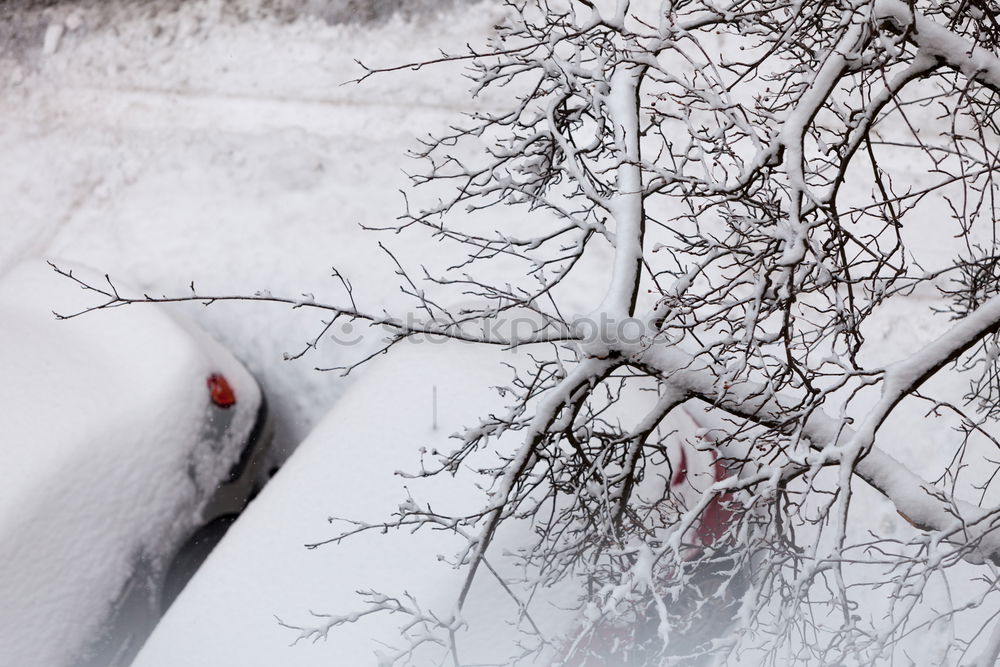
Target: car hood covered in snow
x=104, y=463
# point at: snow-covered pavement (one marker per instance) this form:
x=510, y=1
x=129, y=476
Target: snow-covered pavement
x=189, y=145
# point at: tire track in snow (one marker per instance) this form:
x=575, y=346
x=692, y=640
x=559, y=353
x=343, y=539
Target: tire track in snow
x=175, y=108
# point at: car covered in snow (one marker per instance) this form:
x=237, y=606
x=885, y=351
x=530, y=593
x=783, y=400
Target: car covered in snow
x=264, y=597
x=346, y=468
x=131, y=439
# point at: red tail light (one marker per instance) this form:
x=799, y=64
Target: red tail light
x=221, y=392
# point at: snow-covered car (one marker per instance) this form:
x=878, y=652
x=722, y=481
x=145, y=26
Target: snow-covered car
x=706, y=608
x=131, y=439
x=262, y=570
x=401, y=409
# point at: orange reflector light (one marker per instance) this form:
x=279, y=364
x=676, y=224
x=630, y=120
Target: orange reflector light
x=222, y=394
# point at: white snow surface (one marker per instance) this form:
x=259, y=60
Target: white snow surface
x=192, y=146
x=104, y=459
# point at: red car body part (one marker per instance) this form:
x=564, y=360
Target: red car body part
x=682, y=469
x=600, y=647
x=718, y=515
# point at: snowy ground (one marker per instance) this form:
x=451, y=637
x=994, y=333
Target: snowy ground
x=188, y=145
